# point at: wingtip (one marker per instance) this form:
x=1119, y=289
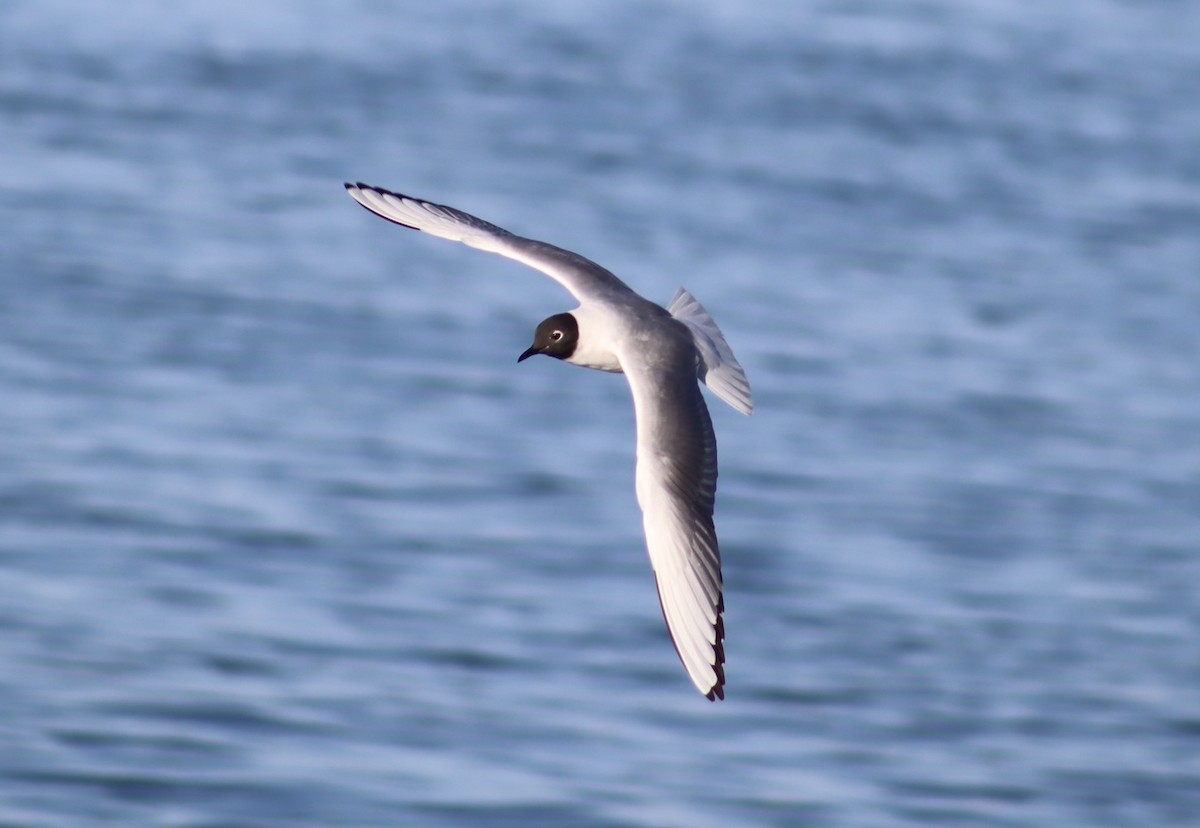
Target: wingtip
x=356, y=191
x=360, y=185
x=717, y=691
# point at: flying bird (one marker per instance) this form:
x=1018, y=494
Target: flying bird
x=662, y=352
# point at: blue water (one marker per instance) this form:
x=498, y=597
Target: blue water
x=288, y=539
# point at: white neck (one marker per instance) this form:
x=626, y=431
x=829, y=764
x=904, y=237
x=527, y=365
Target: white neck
x=596, y=334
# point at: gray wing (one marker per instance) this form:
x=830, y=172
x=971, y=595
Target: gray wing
x=582, y=277
x=676, y=488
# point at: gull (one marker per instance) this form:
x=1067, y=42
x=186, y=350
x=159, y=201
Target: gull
x=662, y=352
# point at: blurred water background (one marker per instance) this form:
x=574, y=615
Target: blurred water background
x=288, y=539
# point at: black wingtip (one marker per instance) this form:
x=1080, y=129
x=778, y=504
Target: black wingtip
x=361, y=186
x=717, y=691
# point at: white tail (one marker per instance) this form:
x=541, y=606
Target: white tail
x=718, y=367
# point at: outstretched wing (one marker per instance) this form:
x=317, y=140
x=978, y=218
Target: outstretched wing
x=676, y=488
x=582, y=277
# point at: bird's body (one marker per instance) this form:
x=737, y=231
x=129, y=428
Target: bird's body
x=662, y=352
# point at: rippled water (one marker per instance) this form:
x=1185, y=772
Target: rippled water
x=287, y=538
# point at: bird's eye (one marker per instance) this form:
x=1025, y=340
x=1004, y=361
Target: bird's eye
x=557, y=335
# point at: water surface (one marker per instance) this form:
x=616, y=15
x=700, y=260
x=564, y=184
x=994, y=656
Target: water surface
x=287, y=538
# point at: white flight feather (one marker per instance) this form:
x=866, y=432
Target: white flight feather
x=689, y=585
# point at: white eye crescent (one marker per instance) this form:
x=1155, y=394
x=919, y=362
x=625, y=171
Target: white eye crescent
x=557, y=335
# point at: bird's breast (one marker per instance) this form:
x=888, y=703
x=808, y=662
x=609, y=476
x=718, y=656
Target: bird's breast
x=599, y=358
x=601, y=331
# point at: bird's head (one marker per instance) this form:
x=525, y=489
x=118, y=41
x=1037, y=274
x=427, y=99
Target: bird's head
x=556, y=336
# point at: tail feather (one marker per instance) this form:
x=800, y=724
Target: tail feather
x=718, y=368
